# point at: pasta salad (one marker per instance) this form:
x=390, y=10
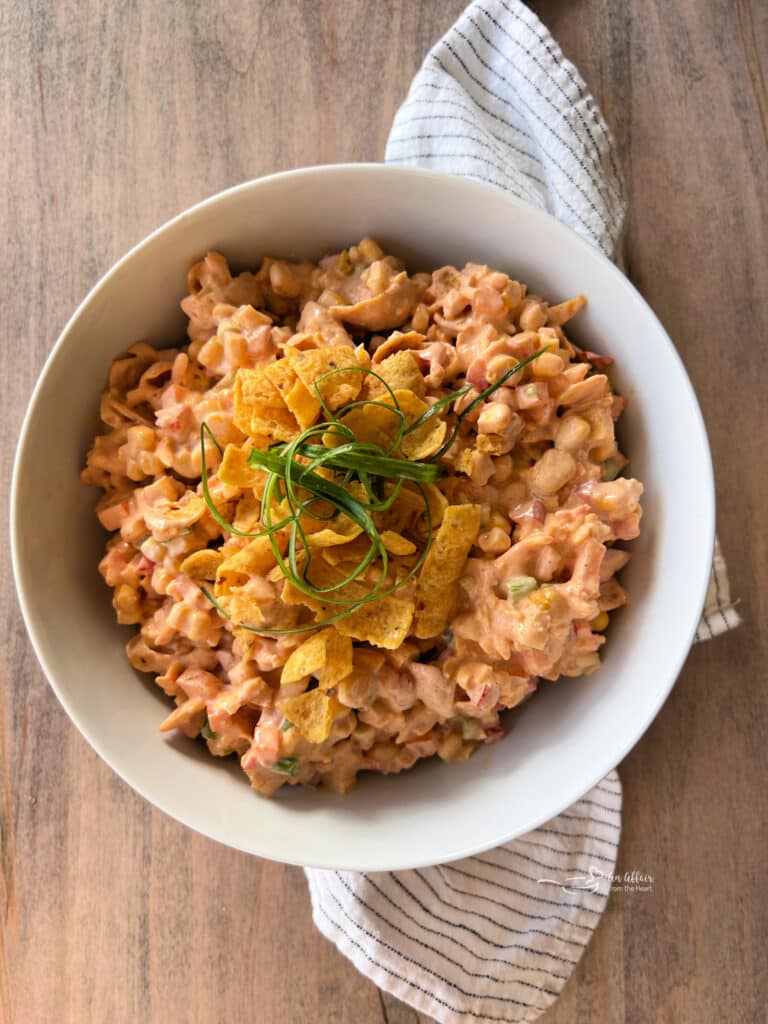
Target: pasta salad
x=362, y=512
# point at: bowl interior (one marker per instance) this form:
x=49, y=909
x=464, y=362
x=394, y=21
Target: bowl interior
x=561, y=742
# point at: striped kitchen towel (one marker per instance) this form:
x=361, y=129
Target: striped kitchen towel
x=494, y=938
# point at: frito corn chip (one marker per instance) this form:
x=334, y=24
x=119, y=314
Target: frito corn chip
x=383, y=623
x=338, y=659
x=248, y=513
x=281, y=375
x=274, y=424
x=244, y=606
x=396, y=544
x=202, y=565
x=325, y=655
x=307, y=660
x=343, y=531
x=400, y=371
x=438, y=579
x=426, y=439
x=437, y=502
x=408, y=512
x=255, y=559
x=301, y=341
x=250, y=385
x=404, y=513
x=259, y=408
x=277, y=574
x=363, y=359
x=340, y=388
x=322, y=574
x=353, y=552
x=312, y=714
x=304, y=405
x=235, y=470
x=398, y=342
x=371, y=424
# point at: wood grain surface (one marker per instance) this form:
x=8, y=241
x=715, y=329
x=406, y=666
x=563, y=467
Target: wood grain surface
x=116, y=116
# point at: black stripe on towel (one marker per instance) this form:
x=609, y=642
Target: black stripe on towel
x=442, y=956
x=471, y=931
x=504, y=144
x=482, y=957
x=412, y=984
x=504, y=906
x=608, y=227
x=607, y=198
x=500, y=99
x=555, y=849
x=561, y=63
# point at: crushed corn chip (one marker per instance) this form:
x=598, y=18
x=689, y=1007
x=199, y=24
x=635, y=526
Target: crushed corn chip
x=307, y=660
x=382, y=623
x=404, y=512
x=401, y=371
x=438, y=579
x=202, y=565
x=323, y=575
x=235, y=470
x=371, y=424
x=255, y=559
x=248, y=513
x=337, y=390
x=305, y=406
x=326, y=655
x=259, y=408
x=344, y=530
x=312, y=714
x=189, y=509
x=281, y=375
x=426, y=439
x=244, y=606
x=396, y=544
x=352, y=552
x=338, y=659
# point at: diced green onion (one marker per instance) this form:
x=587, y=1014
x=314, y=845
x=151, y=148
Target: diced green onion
x=610, y=469
x=286, y=765
x=519, y=586
x=207, y=732
x=286, y=725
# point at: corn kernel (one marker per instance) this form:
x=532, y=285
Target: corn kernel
x=603, y=451
x=600, y=622
x=542, y=598
x=344, y=263
x=548, y=365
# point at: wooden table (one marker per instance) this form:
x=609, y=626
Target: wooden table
x=116, y=116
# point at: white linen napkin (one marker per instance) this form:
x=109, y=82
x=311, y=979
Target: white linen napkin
x=494, y=938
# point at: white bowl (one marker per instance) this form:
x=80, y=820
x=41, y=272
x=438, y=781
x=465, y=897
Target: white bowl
x=571, y=733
